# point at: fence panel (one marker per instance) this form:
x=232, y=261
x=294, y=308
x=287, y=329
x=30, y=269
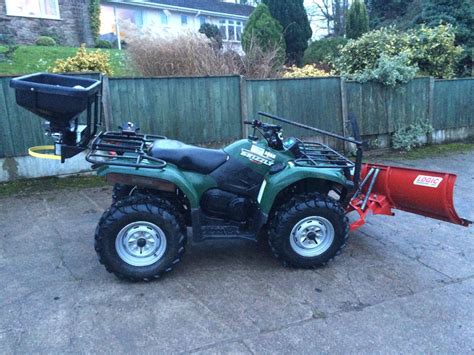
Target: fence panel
x=208, y=110
x=201, y=110
x=316, y=101
x=381, y=109
x=453, y=104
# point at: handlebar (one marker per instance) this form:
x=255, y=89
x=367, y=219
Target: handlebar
x=271, y=133
x=260, y=124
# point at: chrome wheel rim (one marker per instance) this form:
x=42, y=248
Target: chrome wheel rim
x=140, y=243
x=312, y=236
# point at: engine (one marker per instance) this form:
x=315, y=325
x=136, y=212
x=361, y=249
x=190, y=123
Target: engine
x=222, y=204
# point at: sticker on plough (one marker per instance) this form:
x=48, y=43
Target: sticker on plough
x=428, y=181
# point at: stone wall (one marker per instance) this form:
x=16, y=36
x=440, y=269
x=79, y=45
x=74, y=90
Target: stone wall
x=72, y=29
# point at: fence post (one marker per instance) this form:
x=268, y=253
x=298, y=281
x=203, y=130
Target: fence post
x=106, y=103
x=344, y=110
x=431, y=106
x=243, y=105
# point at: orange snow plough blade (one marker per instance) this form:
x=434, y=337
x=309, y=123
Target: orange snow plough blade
x=422, y=192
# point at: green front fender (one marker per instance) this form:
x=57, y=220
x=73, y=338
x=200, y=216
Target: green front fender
x=193, y=185
x=275, y=183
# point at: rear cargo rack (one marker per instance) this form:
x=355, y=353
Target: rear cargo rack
x=318, y=155
x=121, y=149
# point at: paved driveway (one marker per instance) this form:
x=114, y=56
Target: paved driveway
x=403, y=284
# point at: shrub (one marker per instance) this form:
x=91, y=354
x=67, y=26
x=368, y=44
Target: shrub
x=264, y=31
x=190, y=54
x=307, y=71
x=434, y=50
x=259, y=63
x=212, y=32
x=324, y=51
x=94, y=17
x=389, y=71
x=101, y=43
x=10, y=51
x=55, y=33
x=407, y=138
x=357, y=20
x=181, y=54
x=84, y=61
x=363, y=53
x=45, y=41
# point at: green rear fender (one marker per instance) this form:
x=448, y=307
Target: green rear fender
x=278, y=182
x=193, y=185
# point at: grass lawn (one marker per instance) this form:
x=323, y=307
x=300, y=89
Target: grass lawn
x=31, y=59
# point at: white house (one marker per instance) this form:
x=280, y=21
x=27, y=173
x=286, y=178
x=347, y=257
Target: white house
x=170, y=16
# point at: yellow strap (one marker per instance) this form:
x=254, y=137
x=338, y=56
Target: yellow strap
x=33, y=151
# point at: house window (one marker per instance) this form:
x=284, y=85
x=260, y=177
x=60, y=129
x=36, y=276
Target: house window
x=231, y=30
x=131, y=15
x=202, y=20
x=163, y=18
x=33, y=8
x=184, y=20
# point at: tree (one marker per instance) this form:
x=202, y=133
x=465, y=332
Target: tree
x=381, y=11
x=296, y=29
x=333, y=12
x=357, y=22
x=263, y=30
x=460, y=14
x=212, y=32
x=324, y=51
x=407, y=14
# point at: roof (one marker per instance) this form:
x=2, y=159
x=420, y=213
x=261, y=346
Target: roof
x=209, y=5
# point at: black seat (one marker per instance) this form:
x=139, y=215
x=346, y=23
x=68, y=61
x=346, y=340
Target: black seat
x=188, y=157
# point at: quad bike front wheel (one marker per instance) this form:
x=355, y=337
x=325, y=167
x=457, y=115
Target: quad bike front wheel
x=308, y=231
x=139, y=239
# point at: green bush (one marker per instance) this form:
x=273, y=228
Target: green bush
x=432, y=50
x=100, y=43
x=357, y=20
x=363, y=53
x=212, y=32
x=264, y=31
x=45, y=41
x=84, y=61
x=389, y=71
x=407, y=138
x=324, y=51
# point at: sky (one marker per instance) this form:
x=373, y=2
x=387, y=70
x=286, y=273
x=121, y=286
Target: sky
x=317, y=25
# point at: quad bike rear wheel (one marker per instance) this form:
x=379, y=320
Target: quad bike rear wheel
x=139, y=238
x=308, y=231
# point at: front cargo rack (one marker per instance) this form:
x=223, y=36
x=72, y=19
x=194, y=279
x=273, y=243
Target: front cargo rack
x=318, y=155
x=124, y=149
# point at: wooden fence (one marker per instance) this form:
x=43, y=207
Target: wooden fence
x=210, y=110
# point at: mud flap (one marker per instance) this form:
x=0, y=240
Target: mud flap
x=422, y=192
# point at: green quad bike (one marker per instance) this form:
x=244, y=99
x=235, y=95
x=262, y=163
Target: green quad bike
x=292, y=192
